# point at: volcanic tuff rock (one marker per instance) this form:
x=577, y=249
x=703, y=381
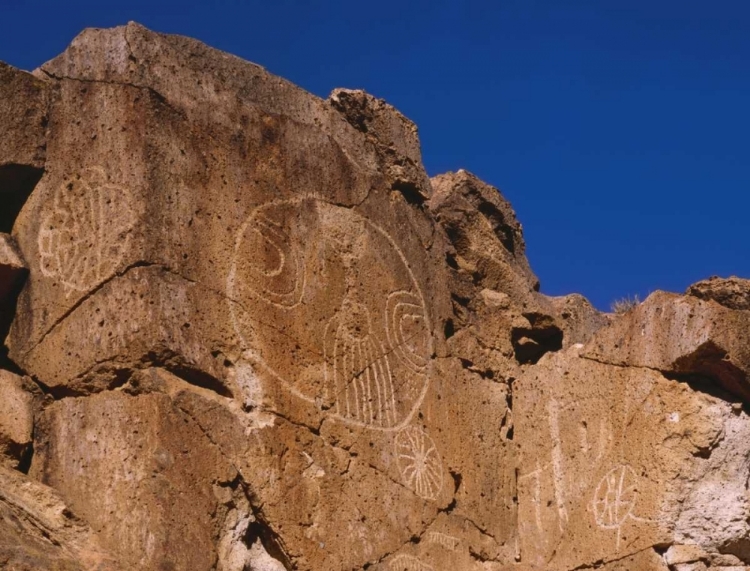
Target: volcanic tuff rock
x=250, y=333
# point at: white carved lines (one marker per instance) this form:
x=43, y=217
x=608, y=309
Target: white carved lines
x=615, y=498
x=443, y=540
x=558, y=470
x=404, y=562
x=86, y=234
x=324, y=302
x=357, y=371
x=276, y=273
x=406, y=329
x=419, y=461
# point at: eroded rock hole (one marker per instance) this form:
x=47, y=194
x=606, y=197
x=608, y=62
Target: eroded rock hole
x=410, y=192
x=531, y=343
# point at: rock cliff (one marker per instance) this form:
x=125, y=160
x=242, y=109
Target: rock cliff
x=244, y=330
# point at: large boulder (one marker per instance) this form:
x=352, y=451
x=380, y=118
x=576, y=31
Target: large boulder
x=237, y=300
x=732, y=292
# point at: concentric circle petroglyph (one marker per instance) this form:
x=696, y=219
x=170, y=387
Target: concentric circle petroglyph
x=85, y=233
x=407, y=329
x=277, y=273
x=419, y=461
x=324, y=301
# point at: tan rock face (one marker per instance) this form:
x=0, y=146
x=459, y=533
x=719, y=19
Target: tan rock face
x=680, y=336
x=17, y=406
x=257, y=336
x=591, y=486
x=733, y=292
x=24, y=116
x=38, y=531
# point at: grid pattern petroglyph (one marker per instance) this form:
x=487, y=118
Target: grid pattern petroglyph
x=615, y=500
x=86, y=232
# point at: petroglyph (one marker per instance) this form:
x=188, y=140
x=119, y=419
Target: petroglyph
x=406, y=329
x=420, y=463
x=557, y=462
x=536, y=491
x=276, y=271
x=615, y=499
x=86, y=233
x=408, y=563
x=443, y=540
x=358, y=373
x=324, y=303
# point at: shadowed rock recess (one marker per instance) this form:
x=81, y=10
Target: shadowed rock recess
x=245, y=331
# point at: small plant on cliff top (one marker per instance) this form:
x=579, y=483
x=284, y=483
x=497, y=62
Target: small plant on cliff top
x=624, y=304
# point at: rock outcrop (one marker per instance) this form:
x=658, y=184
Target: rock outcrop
x=250, y=333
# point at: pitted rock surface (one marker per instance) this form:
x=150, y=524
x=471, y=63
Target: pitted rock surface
x=250, y=333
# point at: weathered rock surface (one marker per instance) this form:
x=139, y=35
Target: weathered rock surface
x=592, y=486
x=20, y=399
x=732, y=292
x=256, y=336
x=23, y=115
x=681, y=336
x=38, y=531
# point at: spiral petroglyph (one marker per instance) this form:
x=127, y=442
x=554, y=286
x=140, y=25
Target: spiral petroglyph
x=406, y=329
x=275, y=268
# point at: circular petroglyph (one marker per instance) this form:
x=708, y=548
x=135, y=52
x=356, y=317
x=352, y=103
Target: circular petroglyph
x=324, y=301
x=86, y=232
x=419, y=461
x=615, y=497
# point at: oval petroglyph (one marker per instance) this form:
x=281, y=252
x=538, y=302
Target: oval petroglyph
x=323, y=301
x=86, y=233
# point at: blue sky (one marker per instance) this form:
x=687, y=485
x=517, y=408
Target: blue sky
x=619, y=130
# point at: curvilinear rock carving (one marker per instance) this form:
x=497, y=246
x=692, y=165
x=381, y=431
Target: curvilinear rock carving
x=245, y=331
